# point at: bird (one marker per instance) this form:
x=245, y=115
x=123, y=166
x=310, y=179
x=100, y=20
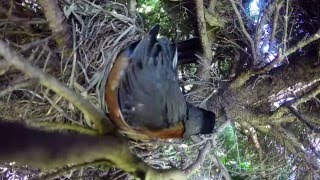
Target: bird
x=143, y=96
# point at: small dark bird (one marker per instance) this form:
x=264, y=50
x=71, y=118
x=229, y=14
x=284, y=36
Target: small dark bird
x=143, y=96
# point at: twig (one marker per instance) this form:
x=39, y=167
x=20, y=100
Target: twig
x=260, y=27
x=295, y=146
x=201, y=157
x=223, y=169
x=205, y=150
x=85, y=106
x=7, y=20
x=18, y=86
x=13, y=19
x=275, y=21
x=59, y=109
x=286, y=17
x=33, y=44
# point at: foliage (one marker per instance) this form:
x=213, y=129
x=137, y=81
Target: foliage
x=153, y=12
x=173, y=17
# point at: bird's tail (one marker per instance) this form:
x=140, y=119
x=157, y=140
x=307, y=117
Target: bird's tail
x=144, y=47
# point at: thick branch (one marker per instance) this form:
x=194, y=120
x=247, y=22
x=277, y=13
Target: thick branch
x=85, y=106
x=37, y=148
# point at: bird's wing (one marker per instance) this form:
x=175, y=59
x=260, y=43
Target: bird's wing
x=149, y=93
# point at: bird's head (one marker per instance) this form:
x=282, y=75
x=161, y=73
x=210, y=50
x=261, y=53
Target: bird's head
x=199, y=121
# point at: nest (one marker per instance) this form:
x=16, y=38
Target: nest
x=98, y=33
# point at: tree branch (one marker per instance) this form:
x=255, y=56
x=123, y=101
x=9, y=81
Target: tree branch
x=282, y=55
x=295, y=146
x=308, y=96
x=205, y=150
x=133, y=8
x=260, y=27
x=85, y=106
x=201, y=157
x=46, y=150
x=18, y=86
x=47, y=125
x=203, y=31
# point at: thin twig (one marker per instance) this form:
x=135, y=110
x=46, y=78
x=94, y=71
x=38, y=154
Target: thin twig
x=21, y=85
